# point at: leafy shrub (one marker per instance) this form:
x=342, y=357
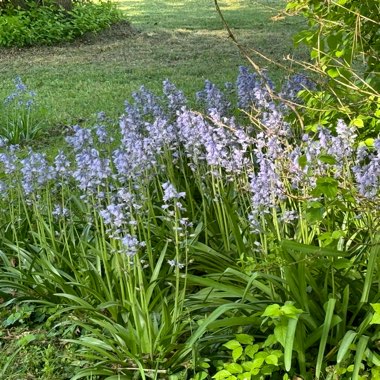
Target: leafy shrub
x=344, y=42
x=49, y=24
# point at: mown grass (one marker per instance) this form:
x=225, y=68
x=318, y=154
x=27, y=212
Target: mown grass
x=182, y=41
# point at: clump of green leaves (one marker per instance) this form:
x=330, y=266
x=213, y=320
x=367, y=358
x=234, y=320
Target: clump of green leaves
x=251, y=360
x=51, y=24
x=20, y=115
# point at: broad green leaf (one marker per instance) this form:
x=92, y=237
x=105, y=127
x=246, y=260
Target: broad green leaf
x=272, y=359
x=223, y=374
x=338, y=234
x=358, y=122
x=327, y=186
x=232, y=344
x=244, y=338
x=376, y=317
x=314, y=215
x=280, y=332
x=247, y=366
x=237, y=353
x=261, y=355
x=333, y=72
x=251, y=350
x=272, y=311
x=255, y=371
x=290, y=310
x=234, y=368
x=302, y=161
x=245, y=376
x=327, y=159
x=267, y=370
x=257, y=363
x=26, y=339
x=270, y=340
x=339, y=53
x=201, y=376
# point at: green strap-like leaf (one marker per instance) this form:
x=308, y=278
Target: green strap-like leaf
x=289, y=342
x=345, y=345
x=325, y=333
x=360, y=349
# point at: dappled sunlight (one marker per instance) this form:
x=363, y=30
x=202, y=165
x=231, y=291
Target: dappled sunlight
x=140, y=12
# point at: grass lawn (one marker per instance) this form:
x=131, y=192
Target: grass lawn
x=183, y=41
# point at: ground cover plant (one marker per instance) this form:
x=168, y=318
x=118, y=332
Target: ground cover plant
x=33, y=23
x=179, y=228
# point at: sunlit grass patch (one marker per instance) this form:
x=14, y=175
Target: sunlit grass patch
x=182, y=41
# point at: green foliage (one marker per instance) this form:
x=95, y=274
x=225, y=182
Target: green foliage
x=30, y=348
x=49, y=24
x=345, y=44
x=251, y=360
x=21, y=118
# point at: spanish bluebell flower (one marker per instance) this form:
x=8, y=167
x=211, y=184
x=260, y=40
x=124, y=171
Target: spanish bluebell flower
x=170, y=192
x=91, y=170
x=147, y=103
x=289, y=216
x=21, y=98
x=192, y=129
x=174, y=263
x=294, y=85
x=361, y=153
x=60, y=212
x=36, y=172
x=342, y=146
x=255, y=222
x=115, y=215
x=251, y=90
x=62, y=164
x=101, y=116
x=3, y=190
x=213, y=99
x=273, y=120
x=102, y=135
x=367, y=173
x=376, y=144
x=81, y=138
x=130, y=245
x=9, y=162
x=20, y=86
x=266, y=185
x=175, y=98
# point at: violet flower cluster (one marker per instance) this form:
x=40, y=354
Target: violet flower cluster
x=108, y=169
